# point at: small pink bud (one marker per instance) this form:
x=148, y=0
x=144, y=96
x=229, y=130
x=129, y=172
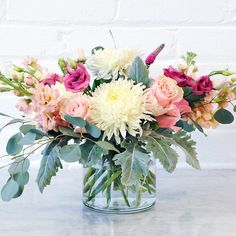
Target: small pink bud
x=152, y=57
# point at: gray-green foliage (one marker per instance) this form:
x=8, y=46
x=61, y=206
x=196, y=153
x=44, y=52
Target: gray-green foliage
x=133, y=161
x=49, y=166
x=161, y=150
x=184, y=141
x=91, y=153
x=139, y=73
x=70, y=153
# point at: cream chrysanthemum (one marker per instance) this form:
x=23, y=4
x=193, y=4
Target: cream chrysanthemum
x=118, y=107
x=108, y=63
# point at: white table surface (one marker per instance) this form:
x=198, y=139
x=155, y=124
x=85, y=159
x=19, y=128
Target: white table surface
x=190, y=203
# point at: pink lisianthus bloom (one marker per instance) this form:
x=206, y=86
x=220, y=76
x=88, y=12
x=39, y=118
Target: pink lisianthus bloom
x=162, y=95
x=180, y=77
x=170, y=119
x=77, y=80
x=52, y=79
x=202, y=85
x=24, y=106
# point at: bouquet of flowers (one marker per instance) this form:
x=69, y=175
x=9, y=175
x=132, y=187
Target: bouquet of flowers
x=108, y=114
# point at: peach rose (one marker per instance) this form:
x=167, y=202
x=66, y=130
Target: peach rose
x=162, y=95
x=170, y=119
x=77, y=106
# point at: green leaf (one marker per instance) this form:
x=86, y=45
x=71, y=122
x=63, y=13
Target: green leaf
x=28, y=139
x=189, y=58
x=22, y=179
x=185, y=126
x=138, y=72
x=234, y=108
x=93, y=130
x=134, y=162
x=13, y=146
x=97, y=49
x=199, y=127
x=224, y=116
x=26, y=128
x=9, y=190
x=70, y=153
x=3, y=114
x=78, y=121
x=184, y=141
x=161, y=150
x=191, y=97
x=68, y=132
x=49, y=166
x=91, y=154
x=20, y=165
x=107, y=146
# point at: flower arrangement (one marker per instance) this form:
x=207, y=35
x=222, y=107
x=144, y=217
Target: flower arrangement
x=105, y=112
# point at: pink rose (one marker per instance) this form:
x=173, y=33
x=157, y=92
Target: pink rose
x=77, y=80
x=169, y=119
x=202, y=85
x=76, y=107
x=180, y=77
x=52, y=79
x=162, y=95
x=183, y=106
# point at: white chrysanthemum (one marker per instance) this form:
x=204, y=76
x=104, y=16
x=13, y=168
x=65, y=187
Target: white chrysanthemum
x=118, y=107
x=107, y=63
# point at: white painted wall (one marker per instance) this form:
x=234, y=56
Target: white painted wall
x=48, y=29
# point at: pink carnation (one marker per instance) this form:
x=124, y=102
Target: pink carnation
x=24, y=106
x=77, y=80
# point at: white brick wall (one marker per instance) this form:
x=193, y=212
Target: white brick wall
x=48, y=29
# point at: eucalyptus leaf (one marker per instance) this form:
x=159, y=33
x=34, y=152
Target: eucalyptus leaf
x=22, y=180
x=78, y=121
x=26, y=128
x=138, y=72
x=28, y=139
x=224, y=116
x=68, y=132
x=13, y=146
x=133, y=161
x=185, y=126
x=11, y=122
x=93, y=130
x=9, y=190
x=70, y=153
x=20, y=165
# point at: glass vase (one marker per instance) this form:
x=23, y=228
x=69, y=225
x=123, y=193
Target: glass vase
x=103, y=189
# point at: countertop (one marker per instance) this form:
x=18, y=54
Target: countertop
x=190, y=203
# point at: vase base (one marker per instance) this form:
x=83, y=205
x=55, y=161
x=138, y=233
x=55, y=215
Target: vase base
x=114, y=210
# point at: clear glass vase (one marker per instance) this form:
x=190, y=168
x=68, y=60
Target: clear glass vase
x=104, y=191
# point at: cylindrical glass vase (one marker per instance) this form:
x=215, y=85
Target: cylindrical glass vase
x=103, y=190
